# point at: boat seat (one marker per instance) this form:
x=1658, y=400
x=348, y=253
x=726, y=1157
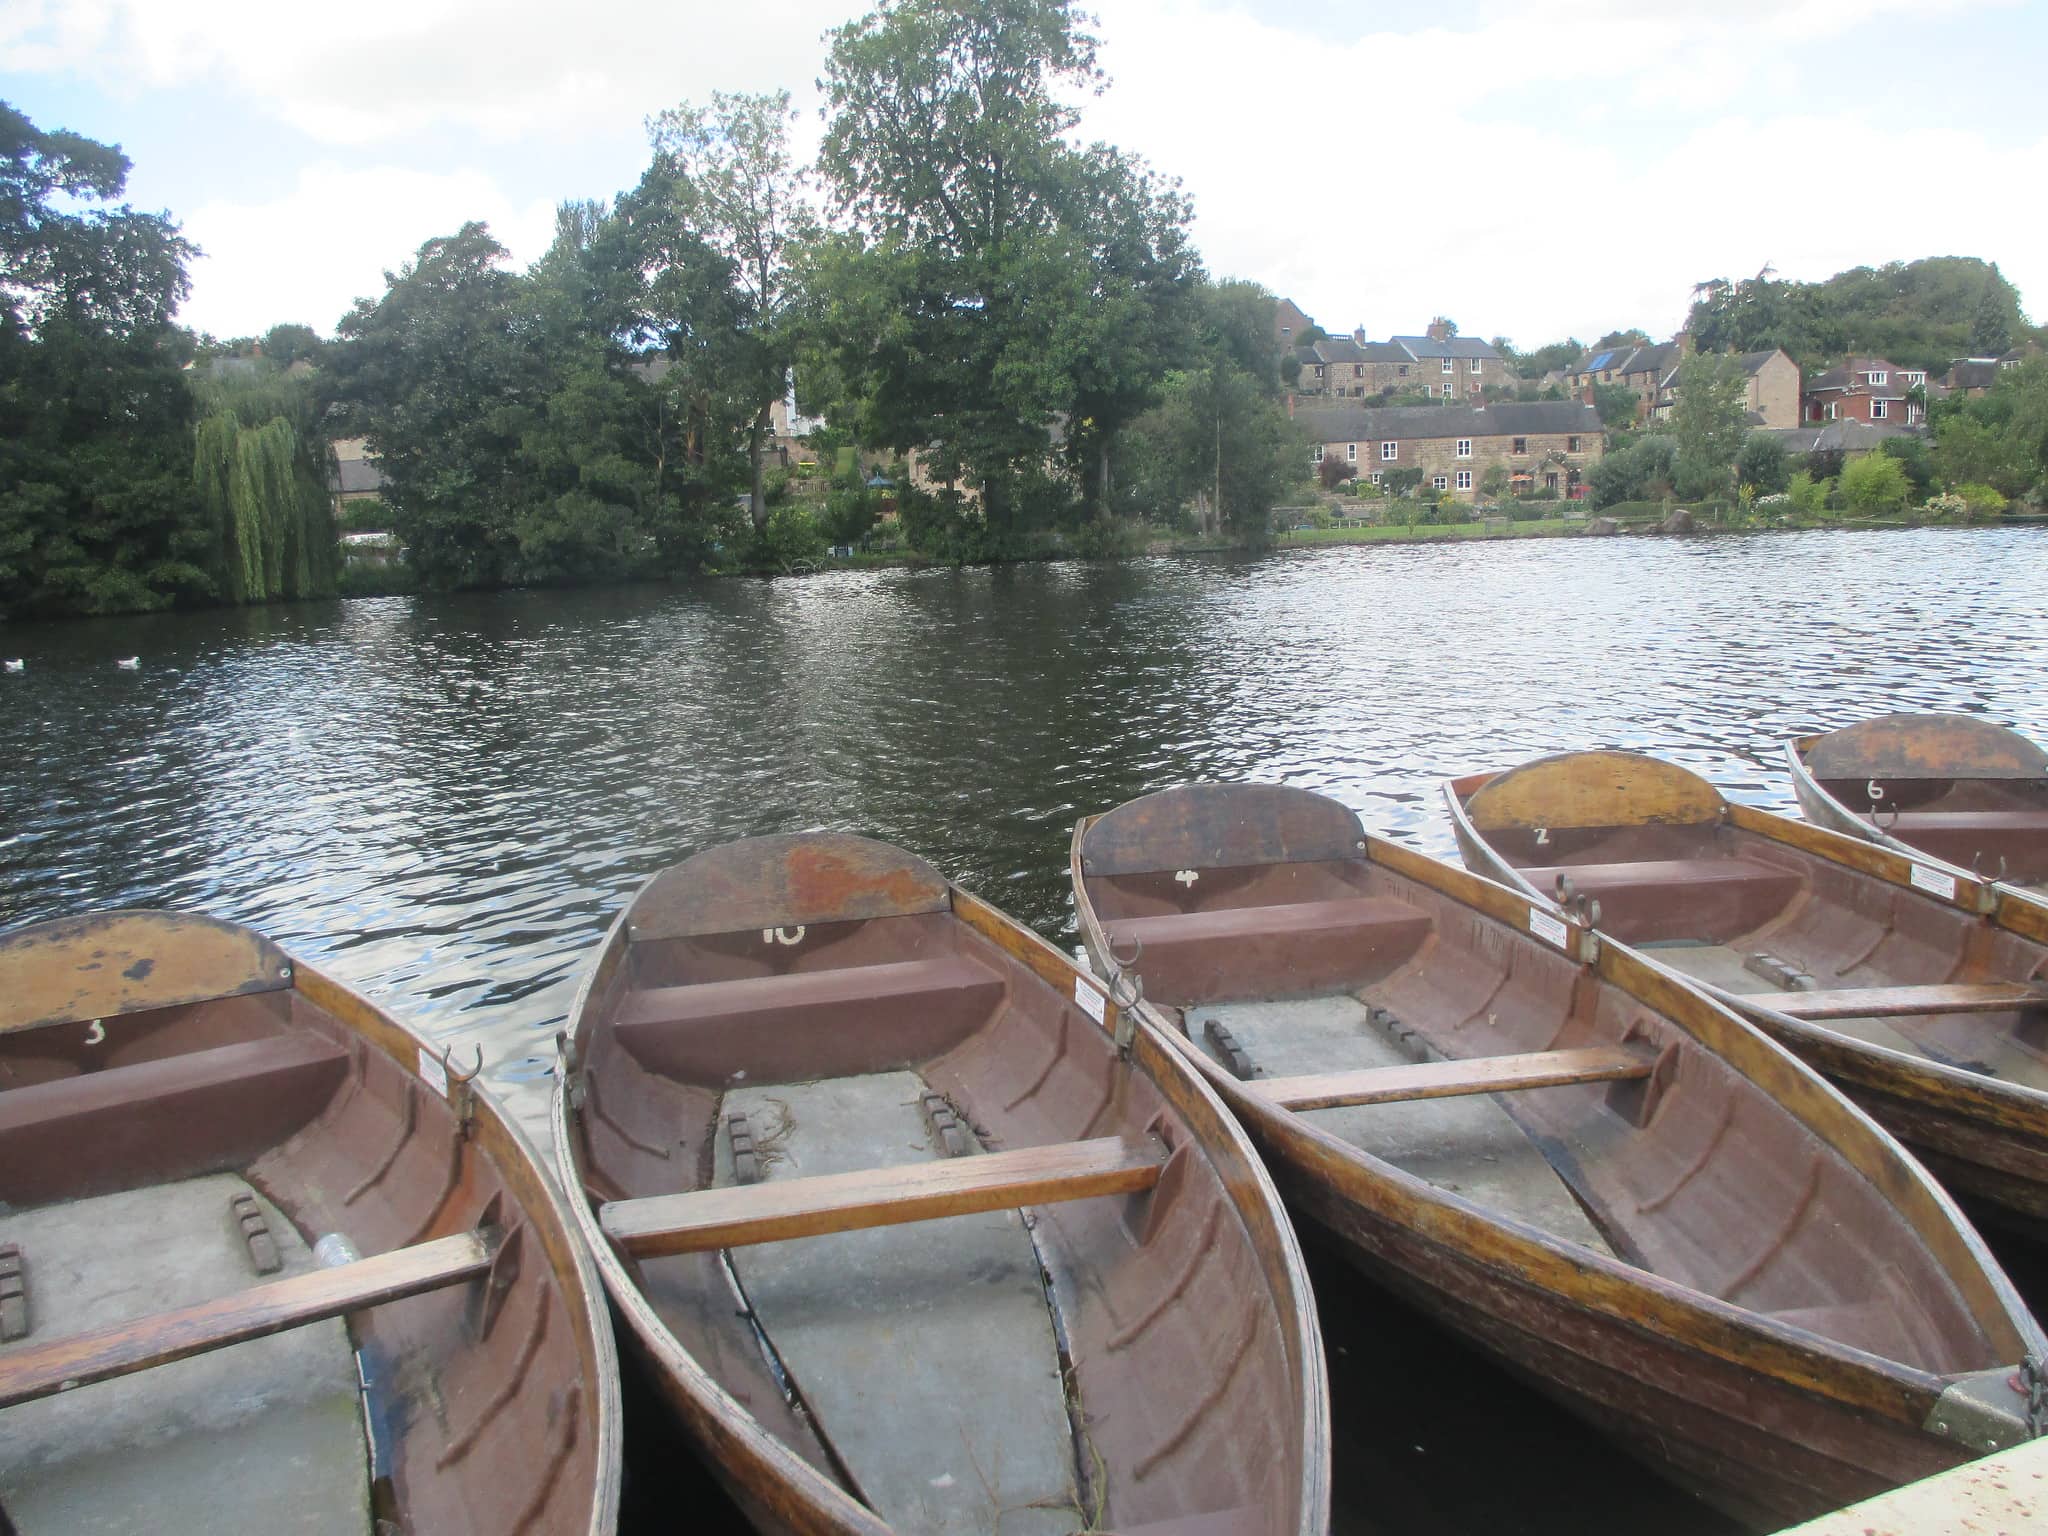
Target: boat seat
x=738, y=1215
x=1709, y=900
x=178, y=1115
x=1297, y=947
x=808, y=1024
x=1451, y=1079
x=1899, y=1002
x=1966, y=822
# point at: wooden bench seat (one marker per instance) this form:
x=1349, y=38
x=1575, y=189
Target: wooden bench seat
x=173, y=1116
x=736, y=1215
x=1297, y=948
x=39, y=1370
x=1898, y=1002
x=1449, y=1079
x=1710, y=900
x=830, y=1023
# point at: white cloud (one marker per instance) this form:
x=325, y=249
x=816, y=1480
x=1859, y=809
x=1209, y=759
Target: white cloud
x=309, y=255
x=1376, y=181
x=375, y=71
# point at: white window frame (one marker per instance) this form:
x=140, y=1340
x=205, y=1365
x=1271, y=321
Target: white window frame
x=1439, y=483
x=1476, y=363
x=1389, y=452
x=1374, y=477
x=1464, y=448
x=1464, y=479
x=1914, y=380
x=1351, y=453
x=1449, y=366
x=1879, y=408
x=1876, y=379
x=1450, y=389
x=1317, y=456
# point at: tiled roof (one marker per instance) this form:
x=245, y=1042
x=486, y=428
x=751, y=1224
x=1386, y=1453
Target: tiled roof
x=1419, y=347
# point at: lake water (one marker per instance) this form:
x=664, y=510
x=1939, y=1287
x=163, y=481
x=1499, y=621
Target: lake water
x=443, y=801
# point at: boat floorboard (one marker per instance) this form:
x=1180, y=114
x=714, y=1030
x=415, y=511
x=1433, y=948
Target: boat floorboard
x=1469, y=1146
x=924, y=1353
x=265, y=1435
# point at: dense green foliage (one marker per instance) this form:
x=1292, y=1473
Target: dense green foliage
x=2000, y=439
x=1918, y=314
x=97, y=512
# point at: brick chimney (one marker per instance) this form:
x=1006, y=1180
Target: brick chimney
x=1440, y=329
x=1358, y=334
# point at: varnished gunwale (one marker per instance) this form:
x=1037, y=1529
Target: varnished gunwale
x=777, y=1490
x=545, y=1215
x=1988, y=1136
x=1611, y=1305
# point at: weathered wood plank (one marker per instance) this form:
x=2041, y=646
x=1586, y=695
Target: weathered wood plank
x=1891, y=1002
x=878, y=1197
x=1448, y=1079
x=40, y=1370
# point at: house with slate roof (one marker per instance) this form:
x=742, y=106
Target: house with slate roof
x=1770, y=379
x=1544, y=445
x=1438, y=363
x=1865, y=389
x=1973, y=376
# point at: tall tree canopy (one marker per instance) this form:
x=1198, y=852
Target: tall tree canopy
x=97, y=511
x=999, y=281
x=732, y=185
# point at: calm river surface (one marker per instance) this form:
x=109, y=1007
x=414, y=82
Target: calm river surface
x=443, y=801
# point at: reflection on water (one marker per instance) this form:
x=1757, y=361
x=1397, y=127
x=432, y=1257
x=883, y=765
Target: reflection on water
x=442, y=801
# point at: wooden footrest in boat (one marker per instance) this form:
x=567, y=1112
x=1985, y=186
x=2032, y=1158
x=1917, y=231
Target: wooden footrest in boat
x=1449, y=1079
x=735, y=1216
x=1896, y=1002
x=39, y=1370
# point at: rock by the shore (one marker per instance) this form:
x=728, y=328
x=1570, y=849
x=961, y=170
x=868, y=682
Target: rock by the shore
x=1601, y=527
x=1680, y=521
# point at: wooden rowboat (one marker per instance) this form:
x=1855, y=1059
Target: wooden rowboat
x=198, y=1136
x=808, y=1088
x=1921, y=991
x=1591, y=1170
x=1951, y=787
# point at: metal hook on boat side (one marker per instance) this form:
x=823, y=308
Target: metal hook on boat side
x=1126, y=990
x=1977, y=868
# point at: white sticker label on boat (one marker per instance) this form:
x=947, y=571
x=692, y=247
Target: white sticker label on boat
x=432, y=1073
x=1935, y=882
x=1544, y=926
x=1090, y=997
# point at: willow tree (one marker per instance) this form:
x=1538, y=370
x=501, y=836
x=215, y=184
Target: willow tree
x=260, y=470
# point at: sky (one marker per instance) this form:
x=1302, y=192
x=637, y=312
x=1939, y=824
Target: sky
x=1534, y=169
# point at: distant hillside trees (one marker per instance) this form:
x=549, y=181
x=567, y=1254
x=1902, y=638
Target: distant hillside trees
x=1917, y=314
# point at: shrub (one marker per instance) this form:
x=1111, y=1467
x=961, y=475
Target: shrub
x=1948, y=507
x=1808, y=495
x=1983, y=500
x=792, y=539
x=1875, y=483
x=1762, y=463
x=1320, y=516
x=1333, y=471
x=848, y=516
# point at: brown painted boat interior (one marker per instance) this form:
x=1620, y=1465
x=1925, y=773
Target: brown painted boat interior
x=1959, y=788
x=1100, y=1362
x=1754, y=906
x=1690, y=1170
x=184, y=1112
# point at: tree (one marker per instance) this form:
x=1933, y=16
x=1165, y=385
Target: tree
x=1631, y=337
x=1617, y=404
x=97, y=511
x=737, y=190
x=1709, y=423
x=1763, y=464
x=998, y=279
x=440, y=376
x=1643, y=470
x=260, y=466
x=1493, y=483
